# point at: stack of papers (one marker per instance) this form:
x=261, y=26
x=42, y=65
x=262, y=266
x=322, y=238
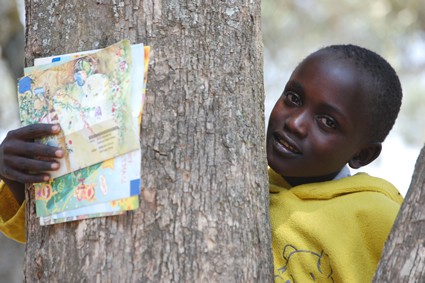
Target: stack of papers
x=97, y=97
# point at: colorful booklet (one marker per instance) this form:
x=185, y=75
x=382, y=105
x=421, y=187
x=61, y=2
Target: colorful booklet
x=115, y=207
x=109, y=187
x=90, y=98
x=107, y=181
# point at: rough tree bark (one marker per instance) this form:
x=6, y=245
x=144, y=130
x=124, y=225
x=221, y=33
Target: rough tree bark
x=403, y=258
x=204, y=202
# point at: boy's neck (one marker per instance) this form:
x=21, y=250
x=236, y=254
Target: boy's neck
x=296, y=181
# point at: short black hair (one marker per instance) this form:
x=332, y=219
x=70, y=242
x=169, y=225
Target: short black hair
x=383, y=86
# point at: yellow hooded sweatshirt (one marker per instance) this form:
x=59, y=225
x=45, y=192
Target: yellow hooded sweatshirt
x=330, y=231
x=12, y=216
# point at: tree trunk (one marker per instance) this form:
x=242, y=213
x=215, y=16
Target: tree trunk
x=204, y=202
x=403, y=258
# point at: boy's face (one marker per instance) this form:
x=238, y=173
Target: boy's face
x=319, y=122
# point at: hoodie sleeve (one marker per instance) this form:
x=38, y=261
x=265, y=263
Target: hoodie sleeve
x=12, y=216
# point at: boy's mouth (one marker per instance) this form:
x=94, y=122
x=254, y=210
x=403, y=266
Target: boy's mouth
x=287, y=145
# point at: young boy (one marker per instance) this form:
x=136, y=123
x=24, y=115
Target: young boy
x=337, y=107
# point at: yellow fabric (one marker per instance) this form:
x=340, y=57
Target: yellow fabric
x=331, y=231
x=12, y=216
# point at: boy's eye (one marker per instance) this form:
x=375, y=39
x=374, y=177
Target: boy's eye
x=292, y=98
x=328, y=122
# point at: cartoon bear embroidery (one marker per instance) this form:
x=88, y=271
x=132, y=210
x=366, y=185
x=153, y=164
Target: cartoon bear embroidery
x=304, y=266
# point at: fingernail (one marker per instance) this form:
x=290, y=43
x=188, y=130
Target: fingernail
x=59, y=153
x=55, y=165
x=55, y=128
x=46, y=178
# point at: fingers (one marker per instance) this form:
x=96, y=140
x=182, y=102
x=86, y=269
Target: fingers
x=30, y=149
x=31, y=165
x=25, y=161
x=25, y=170
x=31, y=132
x=25, y=177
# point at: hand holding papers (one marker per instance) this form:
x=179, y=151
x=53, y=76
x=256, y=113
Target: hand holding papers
x=97, y=98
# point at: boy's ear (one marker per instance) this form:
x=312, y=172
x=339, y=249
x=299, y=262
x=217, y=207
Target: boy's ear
x=366, y=155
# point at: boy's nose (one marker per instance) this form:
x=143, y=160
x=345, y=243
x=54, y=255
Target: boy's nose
x=298, y=123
